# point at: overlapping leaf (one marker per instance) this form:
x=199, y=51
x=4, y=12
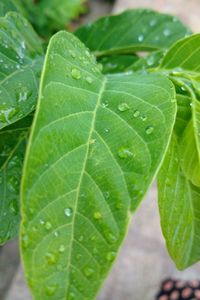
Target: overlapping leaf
x=179, y=210
x=21, y=58
x=12, y=148
x=131, y=31
x=96, y=144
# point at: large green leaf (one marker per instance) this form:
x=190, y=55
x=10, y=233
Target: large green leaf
x=179, y=210
x=21, y=56
x=12, y=148
x=131, y=31
x=96, y=144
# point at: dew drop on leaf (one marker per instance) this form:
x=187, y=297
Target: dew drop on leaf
x=143, y=118
x=89, y=79
x=78, y=256
x=166, y=32
x=61, y=248
x=124, y=153
x=97, y=215
x=71, y=296
x=50, y=290
x=68, y=212
x=136, y=113
x=140, y=38
x=76, y=74
x=149, y=130
x=72, y=53
x=112, y=238
x=88, y=271
x=123, y=106
x=51, y=258
x=48, y=225
x=111, y=256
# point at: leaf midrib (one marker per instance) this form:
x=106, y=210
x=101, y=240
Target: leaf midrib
x=83, y=171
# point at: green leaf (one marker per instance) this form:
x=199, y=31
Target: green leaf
x=12, y=149
x=21, y=58
x=179, y=210
x=14, y=5
x=51, y=15
x=96, y=144
x=117, y=63
x=184, y=55
x=190, y=146
x=131, y=31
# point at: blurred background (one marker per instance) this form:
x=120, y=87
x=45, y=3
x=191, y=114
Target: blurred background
x=143, y=261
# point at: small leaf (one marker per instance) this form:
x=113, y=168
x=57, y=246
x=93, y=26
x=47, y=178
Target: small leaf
x=132, y=31
x=21, y=57
x=184, y=55
x=90, y=160
x=179, y=210
x=12, y=149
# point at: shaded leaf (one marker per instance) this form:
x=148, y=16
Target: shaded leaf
x=13, y=140
x=96, y=144
x=21, y=57
x=131, y=31
x=179, y=210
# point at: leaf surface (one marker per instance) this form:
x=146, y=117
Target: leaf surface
x=96, y=144
x=13, y=141
x=131, y=31
x=179, y=210
x=21, y=57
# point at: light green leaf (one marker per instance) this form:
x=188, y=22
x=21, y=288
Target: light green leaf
x=131, y=31
x=21, y=57
x=184, y=55
x=179, y=210
x=96, y=144
x=12, y=149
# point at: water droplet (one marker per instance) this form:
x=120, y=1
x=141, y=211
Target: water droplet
x=97, y=215
x=76, y=74
x=152, y=22
x=56, y=233
x=72, y=53
x=62, y=248
x=92, y=141
x=136, y=113
x=71, y=296
x=104, y=104
x=166, y=32
x=107, y=130
x=88, y=271
x=111, y=256
x=112, y=238
x=51, y=258
x=48, y=225
x=140, y=38
x=143, y=118
x=80, y=238
x=68, y=212
x=107, y=195
x=123, y=106
x=124, y=153
x=78, y=256
x=50, y=290
x=149, y=129
x=42, y=222
x=93, y=238
x=89, y=79
x=25, y=241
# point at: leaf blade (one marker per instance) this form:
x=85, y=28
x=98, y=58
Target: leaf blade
x=85, y=172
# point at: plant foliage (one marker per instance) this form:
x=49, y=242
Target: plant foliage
x=118, y=106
